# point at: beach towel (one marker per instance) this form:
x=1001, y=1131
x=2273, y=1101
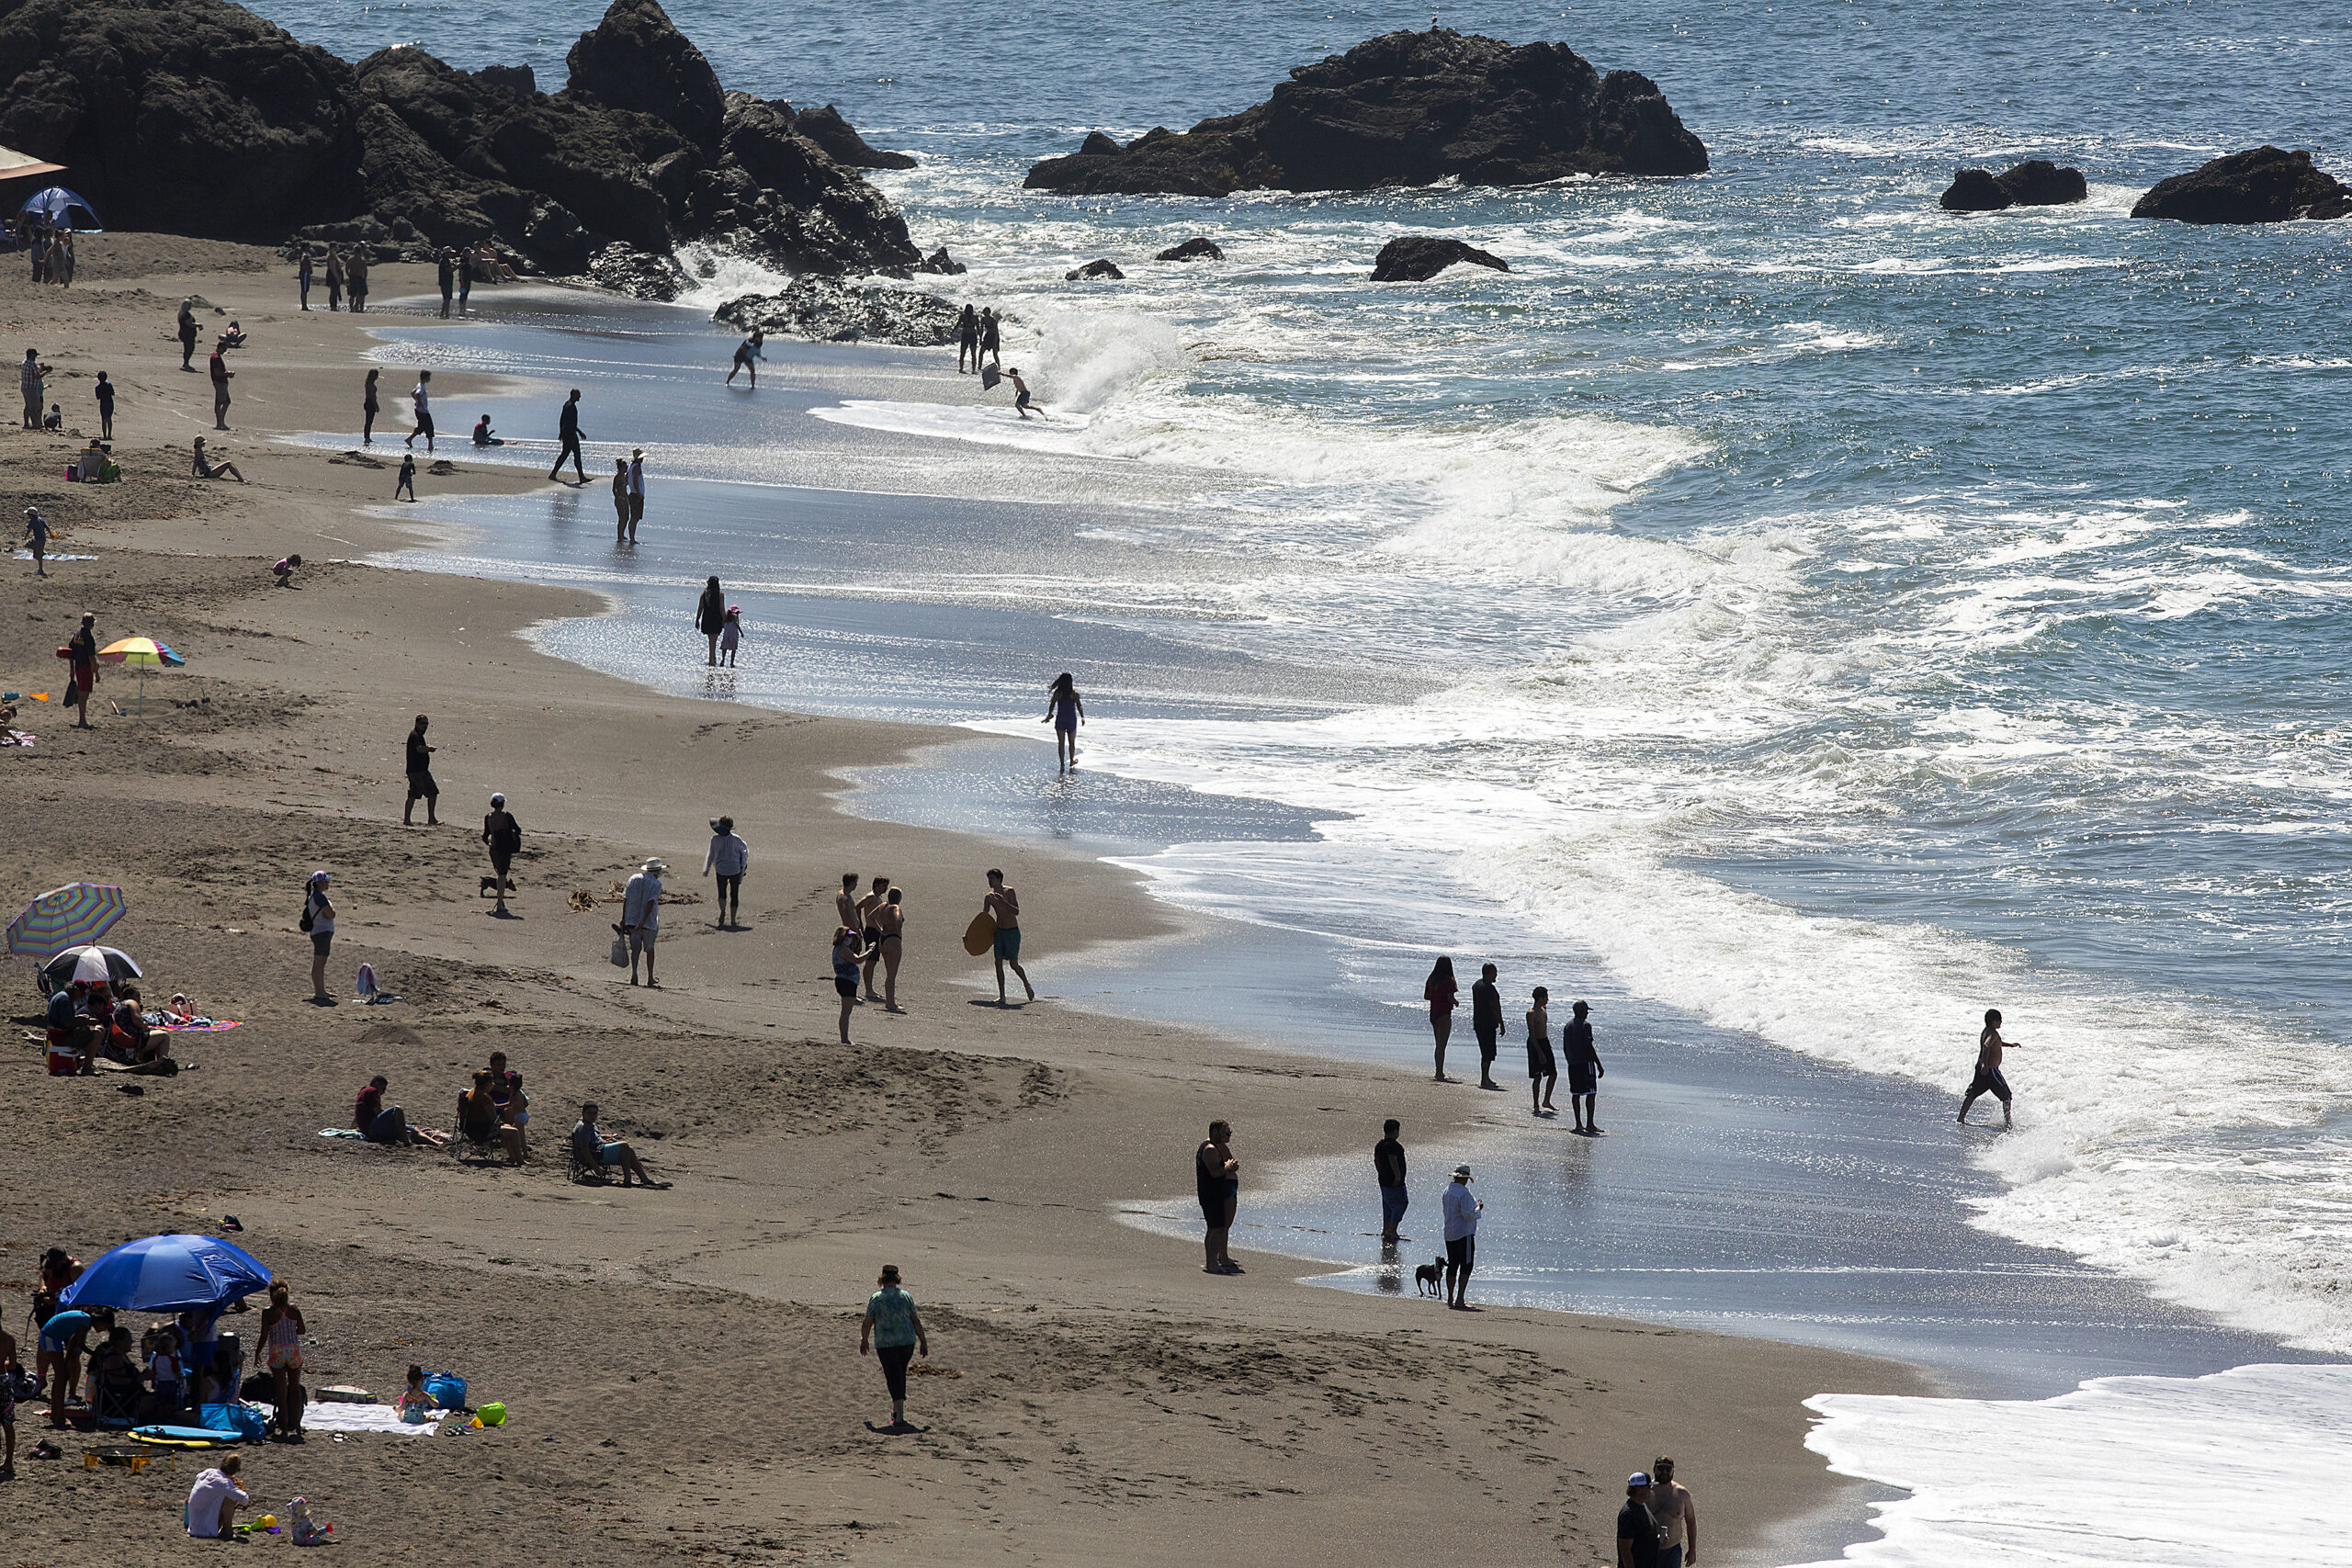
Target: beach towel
x=15, y=738
x=197, y=1026
x=338, y=1418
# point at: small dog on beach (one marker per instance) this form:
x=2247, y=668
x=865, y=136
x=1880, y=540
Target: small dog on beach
x=1429, y=1279
x=490, y=885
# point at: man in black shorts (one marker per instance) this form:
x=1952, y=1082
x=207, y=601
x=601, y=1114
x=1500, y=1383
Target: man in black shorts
x=748, y=357
x=1216, y=1179
x=1988, y=1078
x=420, y=779
x=1461, y=1212
x=1585, y=1071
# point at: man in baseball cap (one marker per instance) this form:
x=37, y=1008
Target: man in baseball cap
x=1636, y=1531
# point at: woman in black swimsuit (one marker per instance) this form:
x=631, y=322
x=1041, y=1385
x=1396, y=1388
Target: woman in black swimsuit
x=890, y=920
x=208, y=470
x=1216, y=1177
x=367, y=408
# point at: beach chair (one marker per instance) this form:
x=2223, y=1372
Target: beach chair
x=585, y=1174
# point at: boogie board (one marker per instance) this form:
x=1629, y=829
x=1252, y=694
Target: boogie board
x=184, y=1437
x=980, y=935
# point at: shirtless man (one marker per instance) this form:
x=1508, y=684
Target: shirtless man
x=1022, y=403
x=1003, y=905
x=846, y=905
x=870, y=932
x=1677, y=1517
x=1988, y=1078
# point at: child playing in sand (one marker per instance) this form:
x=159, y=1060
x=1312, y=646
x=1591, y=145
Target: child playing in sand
x=414, y=1404
x=731, y=635
x=284, y=570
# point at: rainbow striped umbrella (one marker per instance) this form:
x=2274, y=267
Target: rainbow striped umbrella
x=141, y=653
x=72, y=916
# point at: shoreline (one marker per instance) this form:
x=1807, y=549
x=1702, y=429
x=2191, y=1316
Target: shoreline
x=231, y=804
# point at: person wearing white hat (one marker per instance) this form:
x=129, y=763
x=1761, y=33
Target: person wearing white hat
x=641, y=917
x=317, y=918
x=1637, y=1532
x=1462, y=1212
x=504, y=837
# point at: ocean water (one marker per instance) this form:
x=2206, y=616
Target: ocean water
x=1808, y=616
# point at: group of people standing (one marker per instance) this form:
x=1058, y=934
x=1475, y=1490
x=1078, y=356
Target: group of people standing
x=51, y=249
x=1585, y=1071
x=345, y=274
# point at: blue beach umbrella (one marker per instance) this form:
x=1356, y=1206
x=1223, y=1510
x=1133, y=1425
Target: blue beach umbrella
x=168, y=1273
x=57, y=205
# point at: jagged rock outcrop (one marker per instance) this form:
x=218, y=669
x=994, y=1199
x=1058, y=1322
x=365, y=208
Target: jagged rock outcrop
x=1198, y=248
x=199, y=117
x=829, y=310
x=940, y=261
x=2265, y=185
x=827, y=129
x=1407, y=108
x=2037, y=181
x=1417, y=258
x=624, y=269
x=1105, y=267
x=181, y=115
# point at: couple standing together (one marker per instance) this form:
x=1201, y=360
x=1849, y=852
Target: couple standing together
x=1585, y=1071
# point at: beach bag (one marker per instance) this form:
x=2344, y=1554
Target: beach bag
x=448, y=1389
x=620, y=955
x=492, y=1414
x=243, y=1419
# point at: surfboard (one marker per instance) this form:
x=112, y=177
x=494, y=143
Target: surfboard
x=184, y=1437
x=980, y=935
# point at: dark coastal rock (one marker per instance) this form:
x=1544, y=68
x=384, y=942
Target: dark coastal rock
x=940, y=261
x=2264, y=186
x=1417, y=258
x=1103, y=269
x=648, y=275
x=636, y=58
x=1194, y=249
x=1407, y=108
x=2037, y=181
x=827, y=129
x=192, y=116
x=829, y=310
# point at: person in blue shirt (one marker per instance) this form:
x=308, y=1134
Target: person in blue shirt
x=892, y=1330
x=63, y=1339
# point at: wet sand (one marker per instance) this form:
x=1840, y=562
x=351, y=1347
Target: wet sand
x=681, y=1362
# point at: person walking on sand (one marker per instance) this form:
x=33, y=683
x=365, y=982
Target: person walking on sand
x=420, y=778
x=567, y=432
x=847, y=954
x=968, y=340
x=1585, y=1071
x=37, y=539
x=368, y=409
x=82, y=669
x=1637, y=1532
x=320, y=909
x=1543, y=1069
x=747, y=355
x=302, y=277
x=1003, y=905
x=1676, y=1517
x=1065, y=711
x=641, y=917
x=710, y=616
x=407, y=477
x=1388, y=1165
x=504, y=835
x=620, y=500
x=1461, y=1212
x=419, y=400
x=636, y=491
x=894, y=1329
x=727, y=858
x=334, y=278
x=1486, y=1020
x=869, y=932
x=891, y=919
x=1989, y=1078
x=104, y=392
x=187, y=330
x=1217, y=1179
x=1440, y=991
x=220, y=378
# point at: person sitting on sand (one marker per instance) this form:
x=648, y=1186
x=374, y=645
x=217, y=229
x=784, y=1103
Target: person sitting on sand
x=591, y=1148
x=415, y=1406
x=285, y=569
x=206, y=468
x=381, y=1124
x=484, y=435
x=55, y=418
x=213, y=1501
x=480, y=1122
x=234, y=337
x=1020, y=403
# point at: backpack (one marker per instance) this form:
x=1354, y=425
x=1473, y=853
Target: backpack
x=306, y=906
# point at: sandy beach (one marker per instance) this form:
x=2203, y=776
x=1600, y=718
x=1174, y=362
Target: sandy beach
x=681, y=1363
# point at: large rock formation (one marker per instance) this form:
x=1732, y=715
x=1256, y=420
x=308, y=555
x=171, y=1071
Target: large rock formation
x=2264, y=186
x=2037, y=181
x=830, y=310
x=827, y=129
x=1405, y=110
x=197, y=117
x=1417, y=258
x=185, y=114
